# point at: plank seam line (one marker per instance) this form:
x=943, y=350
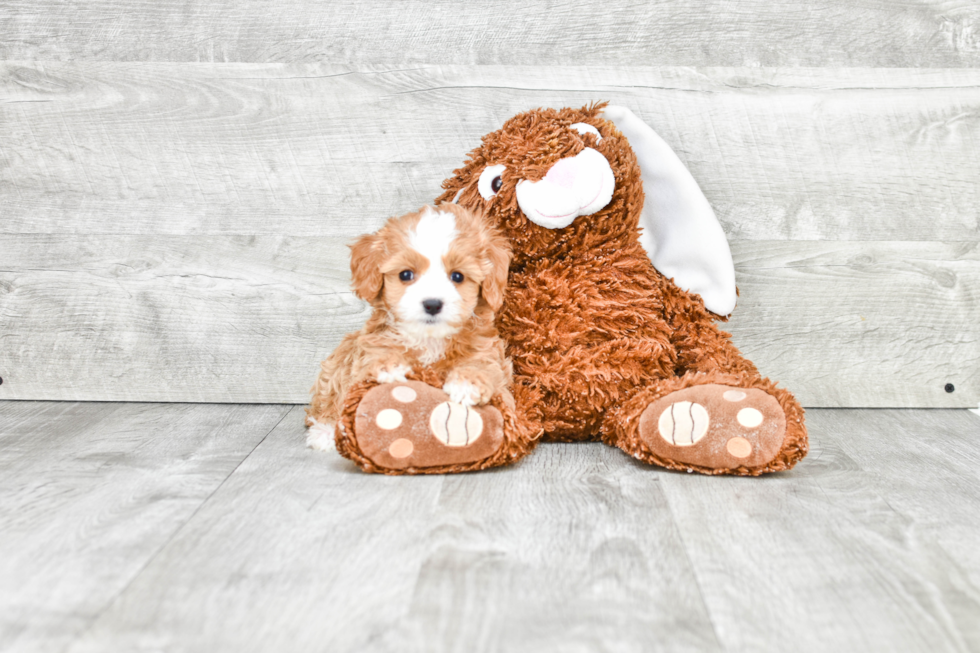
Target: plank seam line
x=694, y=571
x=173, y=535
x=288, y=77
x=708, y=91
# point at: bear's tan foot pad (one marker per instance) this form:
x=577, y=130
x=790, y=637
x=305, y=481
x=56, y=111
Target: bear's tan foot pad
x=413, y=425
x=715, y=426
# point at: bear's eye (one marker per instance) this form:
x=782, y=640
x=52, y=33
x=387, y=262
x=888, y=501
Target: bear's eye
x=491, y=181
x=406, y=275
x=457, y=277
x=584, y=128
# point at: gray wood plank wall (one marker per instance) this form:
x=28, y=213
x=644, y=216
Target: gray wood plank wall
x=933, y=33
x=177, y=183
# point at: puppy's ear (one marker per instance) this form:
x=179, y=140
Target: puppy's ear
x=498, y=255
x=366, y=256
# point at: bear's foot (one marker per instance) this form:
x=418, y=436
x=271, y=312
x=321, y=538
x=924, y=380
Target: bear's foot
x=412, y=427
x=714, y=426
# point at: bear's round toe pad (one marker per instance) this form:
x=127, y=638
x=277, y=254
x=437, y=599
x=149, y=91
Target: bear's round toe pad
x=715, y=426
x=413, y=425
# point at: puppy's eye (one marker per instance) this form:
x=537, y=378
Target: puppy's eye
x=406, y=275
x=491, y=181
x=457, y=277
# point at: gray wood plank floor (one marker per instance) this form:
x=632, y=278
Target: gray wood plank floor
x=132, y=527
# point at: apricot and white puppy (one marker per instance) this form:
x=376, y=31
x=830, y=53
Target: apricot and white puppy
x=434, y=279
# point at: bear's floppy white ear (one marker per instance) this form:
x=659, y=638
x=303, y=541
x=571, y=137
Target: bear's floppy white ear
x=679, y=229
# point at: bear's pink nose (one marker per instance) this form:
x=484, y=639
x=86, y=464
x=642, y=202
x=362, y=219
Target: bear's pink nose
x=563, y=173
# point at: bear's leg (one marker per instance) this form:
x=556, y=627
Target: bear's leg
x=413, y=428
x=718, y=415
x=712, y=423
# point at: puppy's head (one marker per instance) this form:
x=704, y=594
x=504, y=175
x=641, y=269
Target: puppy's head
x=432, y=270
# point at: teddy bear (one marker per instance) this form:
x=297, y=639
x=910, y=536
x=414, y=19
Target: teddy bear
x=620, y=271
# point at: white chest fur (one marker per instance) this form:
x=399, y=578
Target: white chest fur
x=429, y=345
x=431, y=349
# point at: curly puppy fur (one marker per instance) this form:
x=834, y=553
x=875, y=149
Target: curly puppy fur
x=591, y=326
x=461, y=349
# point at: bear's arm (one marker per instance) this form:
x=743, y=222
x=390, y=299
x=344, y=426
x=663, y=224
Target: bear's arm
x=701, y=346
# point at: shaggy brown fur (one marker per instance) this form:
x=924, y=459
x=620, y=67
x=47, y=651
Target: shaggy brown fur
x=592, y=327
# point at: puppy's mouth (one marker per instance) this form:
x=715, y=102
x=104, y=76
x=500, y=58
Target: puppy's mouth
x=430, y=326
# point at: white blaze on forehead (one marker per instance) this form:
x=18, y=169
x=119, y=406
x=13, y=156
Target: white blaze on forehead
x=433, y=235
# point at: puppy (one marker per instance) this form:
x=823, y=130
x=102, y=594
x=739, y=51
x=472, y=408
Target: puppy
x=434, y=279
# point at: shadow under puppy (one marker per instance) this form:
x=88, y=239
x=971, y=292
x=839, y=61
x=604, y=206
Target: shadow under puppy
x=425, y=385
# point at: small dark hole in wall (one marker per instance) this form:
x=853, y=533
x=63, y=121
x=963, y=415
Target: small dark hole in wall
x=950, y=387
x=1, y=380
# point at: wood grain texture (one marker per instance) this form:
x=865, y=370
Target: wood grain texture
x=867, y=324
x=173, y=232
x=830, y=556
x=248, y=318
x=927, y=470
x=869, y=544
x=811, y=154
x=154, y=318
x=297, y=551
x=572, y=550
x=619, y=32
x=90, y=493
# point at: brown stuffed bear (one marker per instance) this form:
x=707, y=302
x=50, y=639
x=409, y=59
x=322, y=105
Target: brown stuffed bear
x=619, y=272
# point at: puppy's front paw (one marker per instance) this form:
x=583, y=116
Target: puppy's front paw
x=320, y=435
x=394, y=374
x=466, y=393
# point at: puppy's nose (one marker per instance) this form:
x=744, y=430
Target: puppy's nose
x=432, y=306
